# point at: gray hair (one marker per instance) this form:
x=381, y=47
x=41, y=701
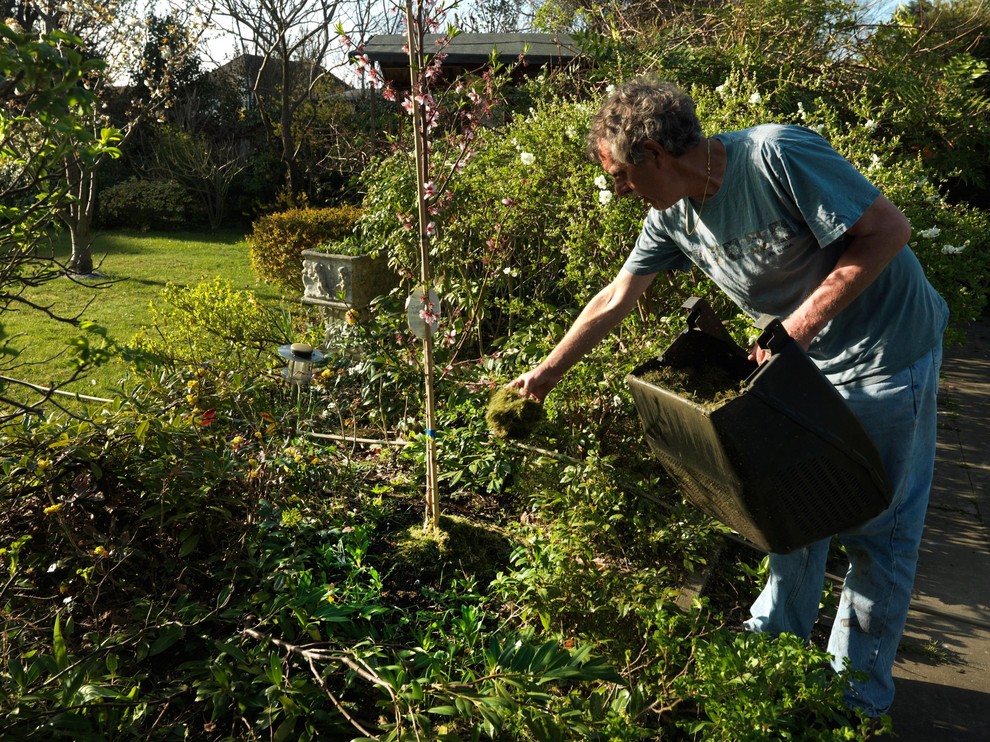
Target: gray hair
x=644, y=109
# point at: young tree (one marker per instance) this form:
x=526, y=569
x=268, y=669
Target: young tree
x=206, y=167
x=44, y=115
x=114, y=33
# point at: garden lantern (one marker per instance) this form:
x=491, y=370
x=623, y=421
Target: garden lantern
x=300, y=359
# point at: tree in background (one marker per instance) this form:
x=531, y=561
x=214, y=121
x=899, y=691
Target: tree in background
x=45, y=112
x=919, y=75
x=114, y=33
x=934, y=58
x=285, y=47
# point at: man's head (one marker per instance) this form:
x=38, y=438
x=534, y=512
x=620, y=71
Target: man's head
x=641, y=110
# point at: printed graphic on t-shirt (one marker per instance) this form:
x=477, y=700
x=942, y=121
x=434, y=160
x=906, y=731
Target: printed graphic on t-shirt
x=773, y=240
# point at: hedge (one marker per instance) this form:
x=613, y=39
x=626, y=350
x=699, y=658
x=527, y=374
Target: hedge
x=277, y=240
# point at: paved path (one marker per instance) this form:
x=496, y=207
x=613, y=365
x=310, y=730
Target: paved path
x=942, y=673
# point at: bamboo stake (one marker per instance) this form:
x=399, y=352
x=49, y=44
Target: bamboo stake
x=421, y=150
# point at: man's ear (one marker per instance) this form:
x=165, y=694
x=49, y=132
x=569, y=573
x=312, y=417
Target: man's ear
x=653, y=150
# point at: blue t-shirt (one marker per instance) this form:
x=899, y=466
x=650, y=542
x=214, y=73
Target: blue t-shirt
x=775, y=230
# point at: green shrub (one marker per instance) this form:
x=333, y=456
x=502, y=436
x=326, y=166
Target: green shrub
x=146, y=204
x=277, y=240
x=212, y=322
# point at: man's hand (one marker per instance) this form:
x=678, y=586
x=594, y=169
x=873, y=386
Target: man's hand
x=758, y=354
x=533, y=384
x=761, y=356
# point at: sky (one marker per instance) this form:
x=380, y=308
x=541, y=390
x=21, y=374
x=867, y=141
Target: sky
x=221, y=46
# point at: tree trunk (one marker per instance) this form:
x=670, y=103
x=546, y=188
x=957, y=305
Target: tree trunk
x=79, y=216
x=285, y=129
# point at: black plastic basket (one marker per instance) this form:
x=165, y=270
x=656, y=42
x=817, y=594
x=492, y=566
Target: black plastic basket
x=785, y=462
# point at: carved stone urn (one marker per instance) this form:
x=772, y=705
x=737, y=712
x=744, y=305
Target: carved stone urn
x=340, y=283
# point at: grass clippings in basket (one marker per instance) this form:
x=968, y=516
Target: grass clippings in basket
x=511, y=415
x=709, y=385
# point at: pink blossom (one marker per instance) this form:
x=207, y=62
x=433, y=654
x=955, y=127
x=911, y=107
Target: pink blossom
x=429, y=314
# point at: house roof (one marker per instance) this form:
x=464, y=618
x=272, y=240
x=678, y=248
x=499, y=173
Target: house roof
x=469, y=53
x=248, y=67
x=474, y=49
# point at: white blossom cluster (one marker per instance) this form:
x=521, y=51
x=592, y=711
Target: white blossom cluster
x=604, y=193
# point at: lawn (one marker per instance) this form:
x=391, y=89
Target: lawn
x=136, y=266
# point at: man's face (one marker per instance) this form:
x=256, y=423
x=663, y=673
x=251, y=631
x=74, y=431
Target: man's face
x=643, y=179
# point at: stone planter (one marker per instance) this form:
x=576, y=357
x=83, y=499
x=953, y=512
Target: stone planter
x=340, y=283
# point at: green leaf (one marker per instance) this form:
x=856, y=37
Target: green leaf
x=168, y=636
x=58, y=646
x=189, y=545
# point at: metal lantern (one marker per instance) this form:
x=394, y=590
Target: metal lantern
x=300, y=359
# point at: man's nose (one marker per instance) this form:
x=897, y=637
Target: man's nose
x=622, y=188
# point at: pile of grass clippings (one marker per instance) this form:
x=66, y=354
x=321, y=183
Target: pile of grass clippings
x=512, y=415
x=709, y=385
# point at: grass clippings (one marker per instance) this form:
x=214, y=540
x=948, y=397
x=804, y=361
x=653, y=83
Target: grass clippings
x=709, y=385
x=512, y=415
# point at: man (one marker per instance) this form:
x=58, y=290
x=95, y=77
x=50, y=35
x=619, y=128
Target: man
x=787, y=227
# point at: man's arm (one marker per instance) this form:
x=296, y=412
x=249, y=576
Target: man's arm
x=874, y=240
x=606, y=310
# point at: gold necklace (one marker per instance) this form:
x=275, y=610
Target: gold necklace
x=687, y=206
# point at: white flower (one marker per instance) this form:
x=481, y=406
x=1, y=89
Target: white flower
x=601, y=182
x=802, y=114
x=571, y=132
x=755, y=98
x=528, y=158
x=721, y=89
x=953, y=249
x=604, y=197
x=870, y=125
x=510, y=272
x=610, y=89
x=930, y=234
x=819, y=128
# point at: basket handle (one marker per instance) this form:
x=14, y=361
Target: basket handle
x=774, y=337
x=702, y=317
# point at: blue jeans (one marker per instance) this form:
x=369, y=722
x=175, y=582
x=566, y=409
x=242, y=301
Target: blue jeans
x=900, y=416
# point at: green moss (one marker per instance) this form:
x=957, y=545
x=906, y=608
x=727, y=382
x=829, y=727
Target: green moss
x=476, y=548
x=511, y=415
